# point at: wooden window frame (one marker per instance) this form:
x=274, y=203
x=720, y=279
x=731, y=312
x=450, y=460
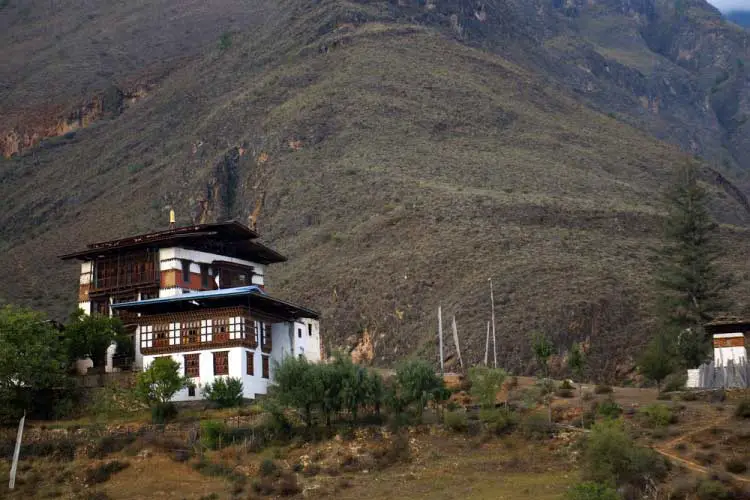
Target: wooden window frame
x=265, y=367
x=309, y=329
x=190, y=332
x=204, y=276
x=250, y=363
x=191, y=363
x=185, y=270
x=219, y=367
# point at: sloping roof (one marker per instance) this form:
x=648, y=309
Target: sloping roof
x=233, y=233
x=252, y=295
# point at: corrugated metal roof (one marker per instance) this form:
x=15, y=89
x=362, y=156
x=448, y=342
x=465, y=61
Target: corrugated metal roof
x=225, y=292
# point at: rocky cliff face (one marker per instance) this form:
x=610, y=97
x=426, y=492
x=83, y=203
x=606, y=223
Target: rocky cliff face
x=676, y=69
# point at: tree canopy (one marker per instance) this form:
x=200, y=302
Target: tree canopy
x=91, y=335
x=33, y=364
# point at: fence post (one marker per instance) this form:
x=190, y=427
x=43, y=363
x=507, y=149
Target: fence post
x=16, y=453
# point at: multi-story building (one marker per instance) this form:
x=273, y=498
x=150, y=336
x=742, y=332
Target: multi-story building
x=198, y=294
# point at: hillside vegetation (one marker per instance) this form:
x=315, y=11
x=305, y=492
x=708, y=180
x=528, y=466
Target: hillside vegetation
x=401, y=168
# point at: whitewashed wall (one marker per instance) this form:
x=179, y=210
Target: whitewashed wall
x=723, y=355
x=170, y=258
x=252, y=384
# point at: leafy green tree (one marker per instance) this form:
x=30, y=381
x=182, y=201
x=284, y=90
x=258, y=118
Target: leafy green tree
x=91, y=335
x=226, y=392
x=589, y=490
x=157, y=385
x=658, y=360
x=485, y=384
x=33, y=365
x=416, y=383
x=298, y=384
x=692, y=283
x=543, y=350
x=611, y=457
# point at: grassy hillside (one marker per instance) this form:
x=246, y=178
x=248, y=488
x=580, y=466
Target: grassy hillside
x=401, y=170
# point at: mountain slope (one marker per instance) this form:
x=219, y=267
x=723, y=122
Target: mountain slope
x=400, y=169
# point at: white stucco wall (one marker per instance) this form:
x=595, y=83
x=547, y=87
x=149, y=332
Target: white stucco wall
x=170, y=259
x=722, y=355
x=252, y=384
x=307, y=339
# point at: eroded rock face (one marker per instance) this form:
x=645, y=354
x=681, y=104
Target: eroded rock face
x=364, y=352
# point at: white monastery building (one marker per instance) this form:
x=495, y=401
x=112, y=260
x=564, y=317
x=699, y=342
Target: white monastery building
x=197, y=294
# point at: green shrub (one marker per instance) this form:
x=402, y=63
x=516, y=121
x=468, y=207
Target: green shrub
x=657, y=415
x=457, y=421
x=536, y=426
x=162, y=413
x=712, y=490
x=485, y=384
x=110, y=444
x=736, y=466
x=565, y=384
x=102, y=472
x=689, y=396
x=214, y=434
x=603, y=389
x=225, y=392
x=589, y=490
x=499, y=421
x=675, y=381
x=611, y=457
x=743, y=409
x=609, y=409
x=268, y=468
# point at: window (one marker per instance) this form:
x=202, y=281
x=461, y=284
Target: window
x=186, y=271
x=221, y=330
x=266, y=367
x=192, y=365
x=221, y=363
x=299, y=333
x=204, y=275
x=191, y=332
x=161, y=333
x=191, y=391
x=250, y=356
x=309, y=329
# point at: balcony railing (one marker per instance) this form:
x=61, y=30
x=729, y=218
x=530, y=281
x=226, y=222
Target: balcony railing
x=124, y=280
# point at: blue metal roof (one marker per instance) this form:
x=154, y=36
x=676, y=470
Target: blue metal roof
x=208, y=294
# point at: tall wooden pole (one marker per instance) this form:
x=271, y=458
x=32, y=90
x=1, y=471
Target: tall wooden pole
x=487, y=345
x=16, y=452
x=494, y=337
x=455, y=341
x=440, y=337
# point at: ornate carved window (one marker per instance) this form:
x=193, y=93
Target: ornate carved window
x=221, y=363
x=161, y=335
x=221, y=330
x=266, y=369
x=192, y=365
x=191, y=332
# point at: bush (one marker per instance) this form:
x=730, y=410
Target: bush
x=611, y=457
x=603, y=389
x=214, y=434
x=589, y=490
x=713, y=490
x=675, y=381
x=225, y=392
x=158, y=384
x=743, y=409
x=657, y=415
x=689, y=396
x=110, y=444
x=565, y=384
x=457, y=421
x=609, y=409
x=499, y=421
x=736, y=466
x=536, y=426
x=268, y=468
x=485, y=384
x=162, y=413
x=102, y=472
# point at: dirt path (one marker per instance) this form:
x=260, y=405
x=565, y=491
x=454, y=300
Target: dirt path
x=666, y=451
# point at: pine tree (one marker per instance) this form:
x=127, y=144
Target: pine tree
x=691, y=280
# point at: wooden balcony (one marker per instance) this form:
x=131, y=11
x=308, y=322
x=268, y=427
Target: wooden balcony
x=162, y=346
